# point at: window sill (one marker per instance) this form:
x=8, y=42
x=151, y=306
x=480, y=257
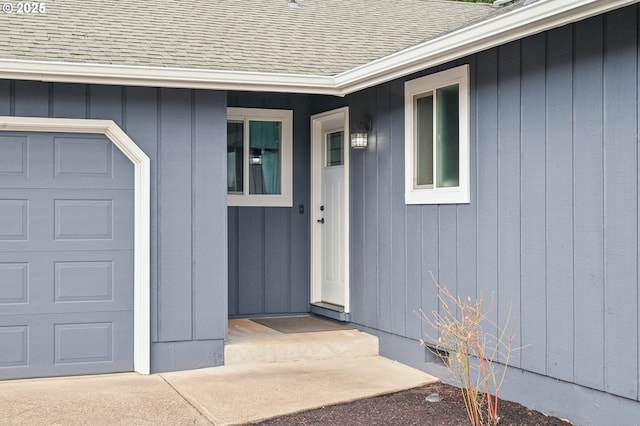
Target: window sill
x=259, y=201
x=437, y=196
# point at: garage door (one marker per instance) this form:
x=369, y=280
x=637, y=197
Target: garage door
x=66, y=255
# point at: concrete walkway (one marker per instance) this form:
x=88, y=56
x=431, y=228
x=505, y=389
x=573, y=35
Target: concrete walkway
x=228, y=395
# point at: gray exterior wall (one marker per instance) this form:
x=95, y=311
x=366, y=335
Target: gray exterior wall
x=552, y=227
x=269, y=246
x=183, y=133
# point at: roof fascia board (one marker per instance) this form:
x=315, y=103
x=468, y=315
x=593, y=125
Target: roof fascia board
x=63, y=72
x=528, y=20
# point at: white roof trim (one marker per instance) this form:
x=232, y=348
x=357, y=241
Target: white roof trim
x=65, y=72
x=527, y=20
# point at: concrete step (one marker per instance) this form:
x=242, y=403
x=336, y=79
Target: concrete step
x=252, y=343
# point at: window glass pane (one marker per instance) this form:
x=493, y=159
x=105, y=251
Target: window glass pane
x=424, y=140
x=335, y=143
x=265, y=139
x=447, y=137
x=235, y=138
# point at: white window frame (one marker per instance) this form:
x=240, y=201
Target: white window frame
x=285, y=199
x=412, y=90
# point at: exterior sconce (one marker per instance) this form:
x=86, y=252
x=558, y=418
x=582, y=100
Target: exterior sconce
x=360, y=134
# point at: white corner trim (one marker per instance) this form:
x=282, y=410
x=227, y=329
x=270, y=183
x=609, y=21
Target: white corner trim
x=141, y=343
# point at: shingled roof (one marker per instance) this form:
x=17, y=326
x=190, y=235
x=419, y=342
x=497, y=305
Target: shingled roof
x=333, y=47
x=323, y=37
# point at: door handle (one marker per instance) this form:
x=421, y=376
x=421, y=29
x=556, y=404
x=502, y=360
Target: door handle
x=320, y=221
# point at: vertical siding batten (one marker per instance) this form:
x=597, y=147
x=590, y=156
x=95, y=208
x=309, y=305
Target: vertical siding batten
x=403, y=319
x=487, y=177
x=32, y=99
x=533, y=279
x=357, y=227
x=414, y=275
x=209, y=213
x=370, y=215
x=447, y=242
x=430, y=261
x=510, y=116
x=559, y=190
x=174, y=295
x=588, y=204
x=277, y=232
x=299, y=249
x=195, y=220
x=384, y=173
x=69, y=100
x=233, y=255
x=6, y=97
x=620, y=180
x=466, y=214
x=637, y=38
x=250, y=260
x=106, y=102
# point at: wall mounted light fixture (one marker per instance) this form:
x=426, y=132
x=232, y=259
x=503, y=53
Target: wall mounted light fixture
x=360, y=133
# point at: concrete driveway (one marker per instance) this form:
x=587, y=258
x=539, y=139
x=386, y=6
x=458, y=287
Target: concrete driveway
x=235, y=394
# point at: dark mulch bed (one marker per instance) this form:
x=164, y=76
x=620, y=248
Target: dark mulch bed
x=411, y=408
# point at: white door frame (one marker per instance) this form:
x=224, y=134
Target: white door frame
x=142, y=185
x=340, y=115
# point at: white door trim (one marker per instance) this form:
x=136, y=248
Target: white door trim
x=141, y=296
x=317, y=144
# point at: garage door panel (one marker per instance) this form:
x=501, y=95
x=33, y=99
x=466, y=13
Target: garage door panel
x=57, y=282
x=66, y=255
x=14, y=341
x=61, y=344
x=14, y=219
x=62, y=160
x=14, y=283
x=61, y=219
x=14, y=160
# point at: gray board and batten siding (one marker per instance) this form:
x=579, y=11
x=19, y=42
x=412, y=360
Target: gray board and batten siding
x=183, y=133
x=269, y=247
x=552, y=227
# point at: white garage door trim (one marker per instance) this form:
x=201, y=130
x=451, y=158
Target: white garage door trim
x=141, y=314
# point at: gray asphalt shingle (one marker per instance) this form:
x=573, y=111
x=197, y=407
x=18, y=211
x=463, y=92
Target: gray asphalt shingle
x=324, y=37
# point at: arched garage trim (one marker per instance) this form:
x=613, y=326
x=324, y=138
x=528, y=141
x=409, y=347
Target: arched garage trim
x=141, y=315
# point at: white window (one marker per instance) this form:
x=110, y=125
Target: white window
x=259, y=157
x=437, y=138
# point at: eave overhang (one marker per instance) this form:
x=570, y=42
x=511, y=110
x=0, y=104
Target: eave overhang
x=534, y=18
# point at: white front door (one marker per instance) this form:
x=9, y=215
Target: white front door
x=330, y=206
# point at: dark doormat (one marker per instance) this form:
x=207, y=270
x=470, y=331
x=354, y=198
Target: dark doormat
x=304, y=324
